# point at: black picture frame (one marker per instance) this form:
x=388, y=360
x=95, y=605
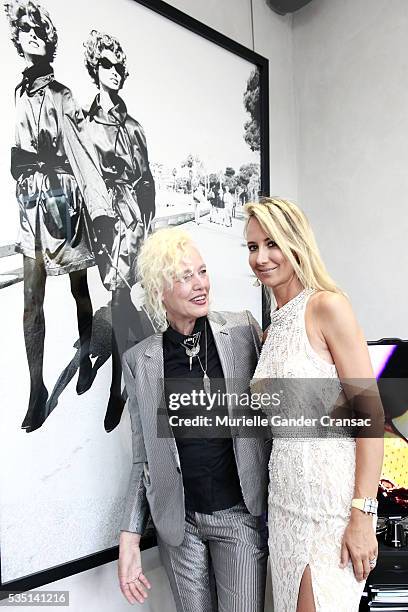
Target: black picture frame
x=168, y=12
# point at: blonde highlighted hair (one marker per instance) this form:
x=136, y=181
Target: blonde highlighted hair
x=159, y=264
x=289, y=227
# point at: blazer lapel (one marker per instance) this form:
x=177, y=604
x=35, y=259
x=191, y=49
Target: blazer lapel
x=155, y=377
x=154, y=364
x=222, y=339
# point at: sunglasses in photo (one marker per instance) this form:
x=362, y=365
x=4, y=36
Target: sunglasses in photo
x=38, y=30
x=107, y=64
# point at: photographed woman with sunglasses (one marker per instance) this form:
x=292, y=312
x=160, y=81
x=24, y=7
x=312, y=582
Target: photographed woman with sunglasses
x=121, y=147
x=59, y=187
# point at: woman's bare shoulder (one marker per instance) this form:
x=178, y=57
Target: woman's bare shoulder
x=333, y=311
x=329, y=303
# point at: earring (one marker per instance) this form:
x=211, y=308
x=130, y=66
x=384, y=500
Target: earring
x=256, y=283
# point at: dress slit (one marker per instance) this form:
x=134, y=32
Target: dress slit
x=314, y=609
x=311, y=479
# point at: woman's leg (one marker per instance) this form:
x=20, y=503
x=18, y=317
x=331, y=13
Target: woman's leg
x=121, y=314
x=34, y=335
x=306, y=601
x=188, y=568
x=80, y=292
x=239, y=553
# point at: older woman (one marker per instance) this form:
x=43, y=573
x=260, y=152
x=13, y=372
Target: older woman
x=322, y=491
x=121, y=147
x=58, y=188
x=205, y=494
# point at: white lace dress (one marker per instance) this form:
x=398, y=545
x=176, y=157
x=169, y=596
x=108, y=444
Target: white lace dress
x=311, y=481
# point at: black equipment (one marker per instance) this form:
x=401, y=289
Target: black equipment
x=387, y=585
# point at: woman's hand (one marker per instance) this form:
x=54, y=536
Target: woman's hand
x=133, y=583
x=104, y=228
x=359, y=544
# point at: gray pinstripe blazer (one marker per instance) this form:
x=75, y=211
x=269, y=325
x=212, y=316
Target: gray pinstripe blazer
x=156, y=479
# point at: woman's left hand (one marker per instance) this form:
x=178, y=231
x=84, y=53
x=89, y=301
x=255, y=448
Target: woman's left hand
x=359, y=544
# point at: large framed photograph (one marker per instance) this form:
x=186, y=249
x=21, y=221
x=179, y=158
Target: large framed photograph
x=118, y=118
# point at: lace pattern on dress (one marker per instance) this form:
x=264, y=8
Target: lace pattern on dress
x=311, y=480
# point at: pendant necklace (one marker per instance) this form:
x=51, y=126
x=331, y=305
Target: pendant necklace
x=192, y=347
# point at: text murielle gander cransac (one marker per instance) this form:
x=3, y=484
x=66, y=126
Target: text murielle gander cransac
x=256, y=401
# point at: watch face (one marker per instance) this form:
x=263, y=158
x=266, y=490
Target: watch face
x=370, y=505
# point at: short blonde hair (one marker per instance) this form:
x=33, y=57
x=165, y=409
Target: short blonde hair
x=288, y=226
x=158, y=265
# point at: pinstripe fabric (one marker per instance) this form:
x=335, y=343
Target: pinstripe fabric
x=156, y=479
x=136, y=511
x=235, y=543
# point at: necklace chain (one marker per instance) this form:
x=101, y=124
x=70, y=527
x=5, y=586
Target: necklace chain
x=198, y=356
x=206, y=380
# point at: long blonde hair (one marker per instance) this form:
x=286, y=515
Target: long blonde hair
x=288, y=226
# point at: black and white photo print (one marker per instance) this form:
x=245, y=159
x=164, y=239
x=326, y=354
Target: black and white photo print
x=117, y=118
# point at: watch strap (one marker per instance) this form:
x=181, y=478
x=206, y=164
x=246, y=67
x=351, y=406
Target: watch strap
x=368, y=505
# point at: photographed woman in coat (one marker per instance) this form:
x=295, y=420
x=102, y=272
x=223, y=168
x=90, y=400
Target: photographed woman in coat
x=122, y=152
x=59, y=188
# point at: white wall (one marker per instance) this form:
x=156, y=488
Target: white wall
x=351, y=85
x=97, y=590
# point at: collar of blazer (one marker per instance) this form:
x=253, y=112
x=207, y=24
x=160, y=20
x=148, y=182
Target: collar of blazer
x=222, y=340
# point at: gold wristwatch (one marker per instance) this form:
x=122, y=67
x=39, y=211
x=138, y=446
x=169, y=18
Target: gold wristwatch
x=368, y=505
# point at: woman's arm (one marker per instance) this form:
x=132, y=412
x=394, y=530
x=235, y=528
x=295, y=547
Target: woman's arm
x=81, y=154
x=145, y=188
x=348, y=347
x=136, y=511
x=133, y=582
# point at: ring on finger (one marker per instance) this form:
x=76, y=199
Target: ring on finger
x=372, y=562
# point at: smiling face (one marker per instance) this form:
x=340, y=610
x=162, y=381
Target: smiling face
x=110, y=71
x=266, y=259
x=188, y=299
x=31, y=38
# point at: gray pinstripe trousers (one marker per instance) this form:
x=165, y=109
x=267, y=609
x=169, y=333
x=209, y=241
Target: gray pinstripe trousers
x=229, y=544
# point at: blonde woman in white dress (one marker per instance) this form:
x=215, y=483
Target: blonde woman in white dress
x=322, y=540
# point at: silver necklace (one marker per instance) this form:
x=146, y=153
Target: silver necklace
x=192, y=347
x=206, y=380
